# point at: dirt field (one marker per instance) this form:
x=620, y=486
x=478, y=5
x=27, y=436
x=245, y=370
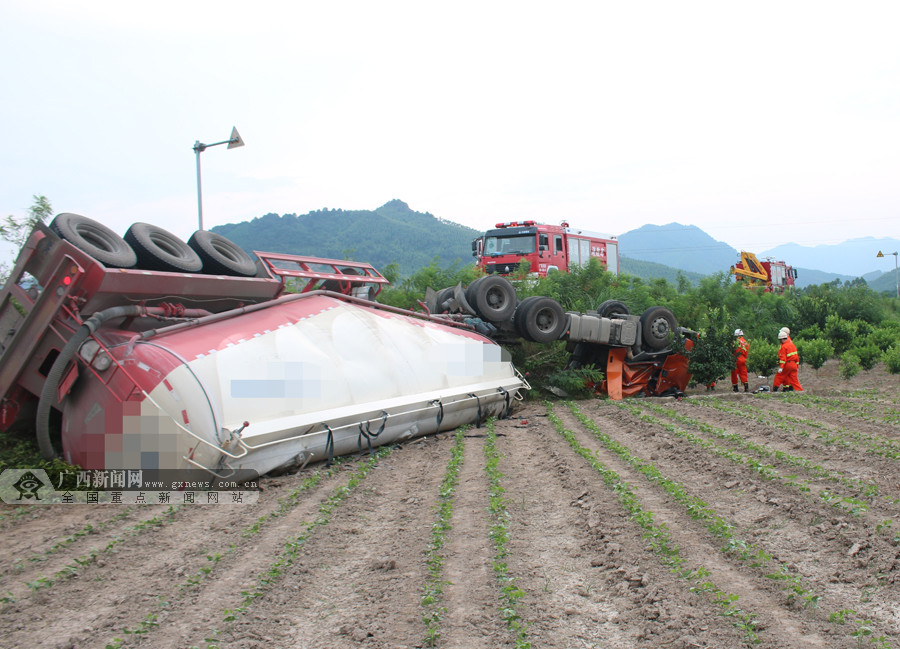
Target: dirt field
x=719, y=520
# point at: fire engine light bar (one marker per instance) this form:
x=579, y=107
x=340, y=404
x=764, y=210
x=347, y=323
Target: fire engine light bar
x=515, y=224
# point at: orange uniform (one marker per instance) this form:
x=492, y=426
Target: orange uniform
x=789, y=360
x=741, y=351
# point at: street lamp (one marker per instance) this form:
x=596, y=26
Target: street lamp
x=233, y=142
x=896, y=275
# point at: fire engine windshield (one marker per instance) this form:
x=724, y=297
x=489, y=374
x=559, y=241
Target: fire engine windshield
x=515, y=245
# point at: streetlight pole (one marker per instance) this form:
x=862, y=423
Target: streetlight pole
x=896, y=272
x=233, y=142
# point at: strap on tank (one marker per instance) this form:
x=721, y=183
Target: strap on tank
x=368, y=434
x=329, y=445
x=478, y=420
x=506, y=398
x=440, y=414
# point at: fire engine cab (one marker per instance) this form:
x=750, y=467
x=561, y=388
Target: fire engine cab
x=547, y=247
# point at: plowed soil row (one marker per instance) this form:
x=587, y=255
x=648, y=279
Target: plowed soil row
x=781, y=511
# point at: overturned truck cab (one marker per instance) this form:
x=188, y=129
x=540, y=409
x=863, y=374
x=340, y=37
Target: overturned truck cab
x=634, y=353
x=124, y=359
x=638, y=355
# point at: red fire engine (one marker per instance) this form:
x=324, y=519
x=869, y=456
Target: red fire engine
x=547, y=247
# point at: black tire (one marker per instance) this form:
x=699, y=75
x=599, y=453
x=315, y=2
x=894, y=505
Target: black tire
x=610, y=308
x=159, y=249
x=544, y=320
x=335, y=284
x=657, y=326
x=94, y=239
x=221, y=256
x=471, y=288
x=519, y=316
x=495, y=299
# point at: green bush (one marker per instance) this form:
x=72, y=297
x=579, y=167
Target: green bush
x=19, y=450
x=850, y=365
x=538, y=362
x=585, y=287
x=763, y=358
x=840, y=333
x=868, y=355
x=862, y=327
x=891, y=360
x=883, y=337
x=808, y=333
x=577, y=383
x=404, y=293
x=814, y=352
x=712, y=356
x=813, y=308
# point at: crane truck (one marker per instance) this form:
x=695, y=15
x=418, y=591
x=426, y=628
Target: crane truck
x=770, y=275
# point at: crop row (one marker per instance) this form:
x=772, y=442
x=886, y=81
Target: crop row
x=433, y=609
x=799, y=589
x=511, y=594
x=194, y=581
x=78, y=563
x=432, y=599
x=291, y=547
x=879, y=445
x=845, y=502
x=498, y=518
x=864, y=410
x=657, y=535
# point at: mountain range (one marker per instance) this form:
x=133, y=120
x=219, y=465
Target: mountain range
x=394, y=233
x=689, y=248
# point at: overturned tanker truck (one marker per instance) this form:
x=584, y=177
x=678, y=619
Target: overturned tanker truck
x=635, y=353
x=147, y=352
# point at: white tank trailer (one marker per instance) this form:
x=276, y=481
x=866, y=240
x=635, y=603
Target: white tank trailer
x=146, y=352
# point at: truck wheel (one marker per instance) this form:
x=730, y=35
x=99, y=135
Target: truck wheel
x=519, y=316
x=470, y=290
x=544, y=320
x=221, y=256
x=657, y=325
x=94, y=239
x=610, y=308
x=494, y=298
x=159, y=249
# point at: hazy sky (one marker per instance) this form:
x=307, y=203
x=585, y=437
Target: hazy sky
x=761, y=123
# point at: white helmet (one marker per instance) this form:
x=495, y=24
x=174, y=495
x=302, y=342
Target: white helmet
x=782, y=335
x=784, y=330
x=738, y=332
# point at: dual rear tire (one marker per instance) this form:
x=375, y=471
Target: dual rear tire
x=540, y=319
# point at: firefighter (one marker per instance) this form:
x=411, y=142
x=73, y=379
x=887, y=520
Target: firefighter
x=741, y=351
x=789, y=360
